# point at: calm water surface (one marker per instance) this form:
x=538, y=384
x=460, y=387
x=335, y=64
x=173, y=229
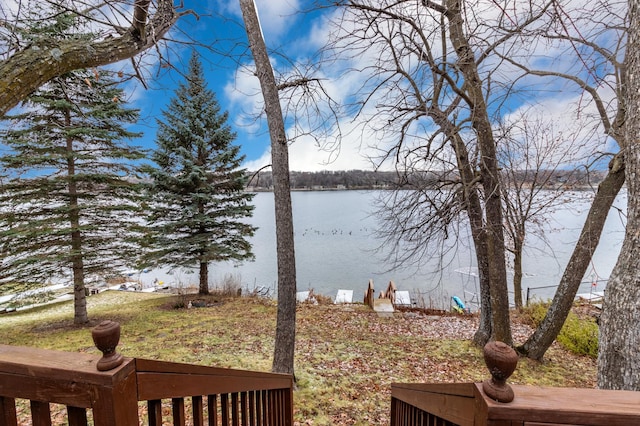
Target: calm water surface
x=335, y=249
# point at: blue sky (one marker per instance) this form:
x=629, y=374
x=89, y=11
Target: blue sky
x=286, y=30
x=294, y=38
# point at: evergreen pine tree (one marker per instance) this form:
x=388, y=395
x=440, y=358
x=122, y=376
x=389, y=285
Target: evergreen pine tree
x=67, y=202
x=196, y=193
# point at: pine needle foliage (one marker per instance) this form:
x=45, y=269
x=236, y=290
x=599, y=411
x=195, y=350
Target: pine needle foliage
x=197, y=201
x=69, y=203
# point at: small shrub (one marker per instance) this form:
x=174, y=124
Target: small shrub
x=180, y=302
x=263, y=292
x=534, y=313
x=578, y=335
x=322, y=299
x=183, y=293
x=231, y=286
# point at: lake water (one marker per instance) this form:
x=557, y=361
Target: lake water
x=335, y=242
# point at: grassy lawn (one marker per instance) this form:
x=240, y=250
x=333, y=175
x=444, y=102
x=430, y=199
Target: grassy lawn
x=346, y=356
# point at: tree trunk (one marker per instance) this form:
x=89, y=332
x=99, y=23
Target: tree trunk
x=485, y=328
x=538, y=343
x=618, y=355
x=30, y=68
x=517, y=272
x=473, y=206
x=80, y=315
x=501, y=326
x=286, y=322
x=203, y=287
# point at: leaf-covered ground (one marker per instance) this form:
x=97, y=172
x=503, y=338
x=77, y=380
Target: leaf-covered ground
x=346, y=355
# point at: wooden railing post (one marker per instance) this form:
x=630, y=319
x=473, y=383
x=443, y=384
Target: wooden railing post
x=501, y=361
x=8, y=411
x=288, y=410
x=116, y=404
x=106, y=337
x=78, y=381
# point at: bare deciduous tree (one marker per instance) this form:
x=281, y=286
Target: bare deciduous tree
x=434, y=77
x=311, y=114
x=286, y=321
x=431, y=75
x=540, y=164
x=596, y=36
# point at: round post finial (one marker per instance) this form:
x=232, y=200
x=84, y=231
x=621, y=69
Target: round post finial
x=106, y=337
x=501, y=361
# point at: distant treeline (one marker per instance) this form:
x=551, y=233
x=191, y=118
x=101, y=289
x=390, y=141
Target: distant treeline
x=348, y=179
x=363, y=179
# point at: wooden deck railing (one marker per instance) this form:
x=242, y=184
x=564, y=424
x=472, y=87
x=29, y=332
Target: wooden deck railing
x=216, y=396
x=118, y=391
x=494, y=403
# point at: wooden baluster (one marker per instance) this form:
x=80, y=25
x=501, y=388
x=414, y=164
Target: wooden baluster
x=283, y=406
x=224, y=409
x=154, y=409
x=501, y=361
x=252, y=408
x=272, y=407
x=235, y=408
x=77, y=416
x=40, y=413
x=197, y=410
x=212, y=408
x=178, y=412
x=259, y=409
x=280, y=407
x=265, y=408
x=8, y=415
x=275, y=403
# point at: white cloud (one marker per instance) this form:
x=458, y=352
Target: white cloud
x=575, y=120
x=305, y=155
x=245, y=97
x=353, y=150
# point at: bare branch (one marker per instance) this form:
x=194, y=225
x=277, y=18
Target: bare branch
x=29, y=68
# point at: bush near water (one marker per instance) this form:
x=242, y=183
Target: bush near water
x=580, y=331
